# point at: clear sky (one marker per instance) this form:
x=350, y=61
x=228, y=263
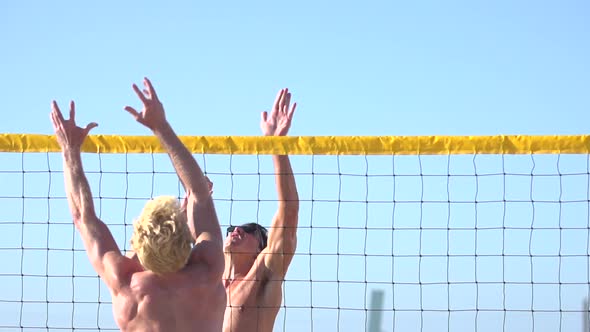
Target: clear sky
x=354, y=68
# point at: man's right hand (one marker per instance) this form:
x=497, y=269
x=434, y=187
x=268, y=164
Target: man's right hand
x=185, y=200
x=69, y=135
x=152, y=115
x=278, y=122
x=209, y=185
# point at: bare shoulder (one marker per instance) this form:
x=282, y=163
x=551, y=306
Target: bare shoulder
x=260, y=269
x=265, y=282
x=275, y=263
x=121, y=271
x=196, y=282
x=201, y=267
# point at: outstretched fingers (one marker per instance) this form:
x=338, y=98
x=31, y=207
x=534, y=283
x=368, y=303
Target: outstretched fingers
x=287, y=102
x=89, y=127
x=282, y=101
x=54, y=121
x=291, y=112
x=56, y=111
x=136, y=115
x=277, y=104
x=72, y=111
x=132, y=111
x=140, y=94
x=150, y=88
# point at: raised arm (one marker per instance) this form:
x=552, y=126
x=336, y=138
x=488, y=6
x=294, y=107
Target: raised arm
x=282, y=238
x=101, y=248
x=200, y=208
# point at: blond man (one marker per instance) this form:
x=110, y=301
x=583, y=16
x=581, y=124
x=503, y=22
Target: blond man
x=169, y=284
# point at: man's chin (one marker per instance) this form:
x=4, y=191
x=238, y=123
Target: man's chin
x=229, y=247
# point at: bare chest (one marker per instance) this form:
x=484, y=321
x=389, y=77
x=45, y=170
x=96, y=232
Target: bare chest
x=243, y=295
x=252, y=306
x=244, y=303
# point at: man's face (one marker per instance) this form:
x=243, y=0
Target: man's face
x=243, y=239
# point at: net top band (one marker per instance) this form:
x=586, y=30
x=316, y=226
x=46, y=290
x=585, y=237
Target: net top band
x=316, y=145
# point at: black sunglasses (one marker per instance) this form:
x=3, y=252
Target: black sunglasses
x=251, y=228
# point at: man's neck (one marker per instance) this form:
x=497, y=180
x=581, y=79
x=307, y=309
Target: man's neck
x=237, y=266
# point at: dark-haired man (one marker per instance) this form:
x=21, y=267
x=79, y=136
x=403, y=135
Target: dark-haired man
x=256, y=261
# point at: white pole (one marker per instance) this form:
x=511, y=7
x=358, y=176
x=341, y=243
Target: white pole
x=586, y=316
x=376, y=310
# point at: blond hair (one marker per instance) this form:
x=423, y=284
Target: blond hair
x=161, y=237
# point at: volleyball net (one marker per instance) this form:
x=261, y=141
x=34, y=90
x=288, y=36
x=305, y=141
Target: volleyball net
x=487, y=233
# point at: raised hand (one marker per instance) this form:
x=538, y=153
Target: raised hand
x=69, y=135
x=209, y=185
x=185, y=200
x=152, y=115
x=278, y=122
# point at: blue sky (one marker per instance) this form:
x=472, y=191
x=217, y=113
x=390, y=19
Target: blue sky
x=370, y=68
x=354, y=68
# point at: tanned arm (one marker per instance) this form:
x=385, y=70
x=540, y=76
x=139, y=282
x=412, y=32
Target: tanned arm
x=101, y=248
x=282, y=240
x=200, y=208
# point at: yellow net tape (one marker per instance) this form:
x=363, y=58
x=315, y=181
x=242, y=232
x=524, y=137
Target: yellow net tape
x=316, y=145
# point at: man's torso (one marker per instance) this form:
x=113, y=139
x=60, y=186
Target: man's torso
x=252, y=303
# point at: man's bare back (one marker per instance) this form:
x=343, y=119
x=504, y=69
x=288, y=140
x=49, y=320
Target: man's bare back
x=174, y=302
x=173, y=284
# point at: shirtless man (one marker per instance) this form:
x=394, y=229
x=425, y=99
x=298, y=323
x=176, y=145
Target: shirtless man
x=254, y=271
x=165, y=297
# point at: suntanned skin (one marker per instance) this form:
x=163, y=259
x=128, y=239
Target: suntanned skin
x=253, y=279
x=142, y=300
